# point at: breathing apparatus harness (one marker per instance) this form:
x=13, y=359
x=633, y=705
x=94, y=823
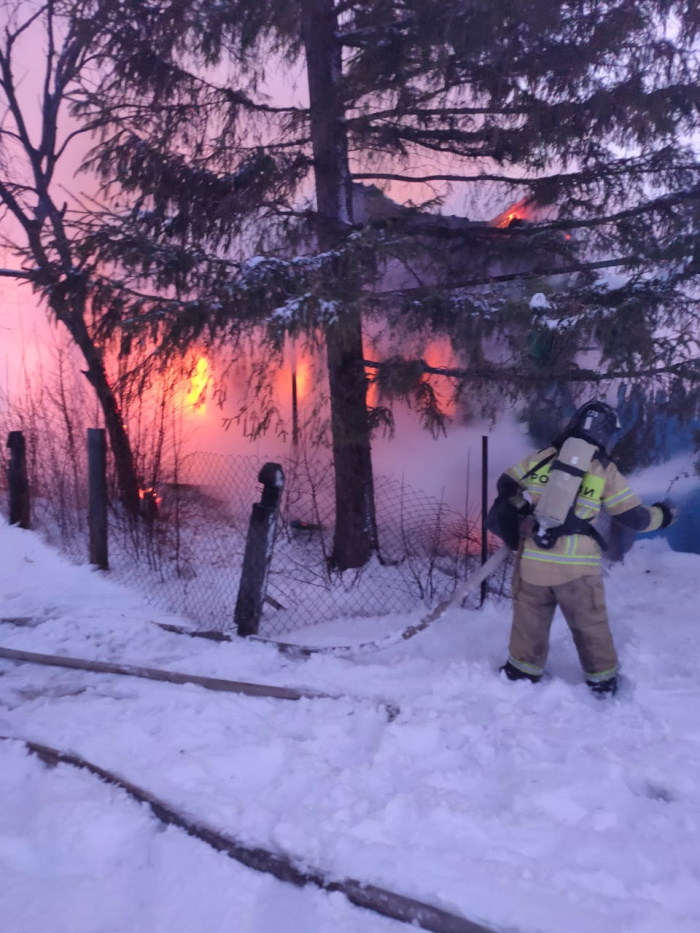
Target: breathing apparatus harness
x=554, y=512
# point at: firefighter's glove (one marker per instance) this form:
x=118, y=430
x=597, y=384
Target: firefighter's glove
x=527, y=525
x=504, y=518
x=668, y=513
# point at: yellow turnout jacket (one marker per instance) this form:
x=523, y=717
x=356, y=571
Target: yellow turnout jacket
x=577, y=555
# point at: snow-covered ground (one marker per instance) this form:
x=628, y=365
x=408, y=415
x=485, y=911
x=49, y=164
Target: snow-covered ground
x=532, y=809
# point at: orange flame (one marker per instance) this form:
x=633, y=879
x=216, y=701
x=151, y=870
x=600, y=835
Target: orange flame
x=303, y=373
x=150, y=502
x=518, y=211
x=199, y=380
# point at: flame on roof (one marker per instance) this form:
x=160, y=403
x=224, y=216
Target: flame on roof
x=521, y=210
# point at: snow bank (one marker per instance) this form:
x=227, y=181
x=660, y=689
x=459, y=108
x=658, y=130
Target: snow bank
x=520, y=807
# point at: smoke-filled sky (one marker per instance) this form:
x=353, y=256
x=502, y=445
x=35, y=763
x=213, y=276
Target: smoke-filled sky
x=28, y=341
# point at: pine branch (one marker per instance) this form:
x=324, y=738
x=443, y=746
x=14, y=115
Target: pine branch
x=475, y=282
x=617, y=170
x=512, y=374
x=427, y=179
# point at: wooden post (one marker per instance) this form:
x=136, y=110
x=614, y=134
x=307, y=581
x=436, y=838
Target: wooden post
x=484, y=505
x=295, y=411
x=97, y=481
x=258, y=550
x=18, y=481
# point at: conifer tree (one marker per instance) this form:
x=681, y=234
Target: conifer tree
x=581, y=112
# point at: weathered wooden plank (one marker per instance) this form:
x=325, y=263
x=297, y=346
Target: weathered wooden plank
x=176, y=677
x=173, y=677
x=368, y=896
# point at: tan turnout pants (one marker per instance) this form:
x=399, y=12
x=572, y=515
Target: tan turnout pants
x=582, y=602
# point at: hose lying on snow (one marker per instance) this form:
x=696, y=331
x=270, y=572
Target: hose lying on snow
x=343, y=651
x=379, y=900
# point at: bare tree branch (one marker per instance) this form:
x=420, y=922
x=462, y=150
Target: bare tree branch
x=9, y=200
x=80, y=131
x=27, y=24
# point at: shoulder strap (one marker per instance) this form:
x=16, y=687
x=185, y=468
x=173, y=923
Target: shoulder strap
x=539, y=465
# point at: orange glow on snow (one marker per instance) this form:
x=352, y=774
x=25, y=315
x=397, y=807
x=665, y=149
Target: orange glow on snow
x=199, y=380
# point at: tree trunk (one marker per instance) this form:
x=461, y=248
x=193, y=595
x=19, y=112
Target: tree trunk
x=124, y=464
x=355, y=523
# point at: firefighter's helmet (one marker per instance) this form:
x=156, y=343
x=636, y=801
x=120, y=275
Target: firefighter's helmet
x=595, y=422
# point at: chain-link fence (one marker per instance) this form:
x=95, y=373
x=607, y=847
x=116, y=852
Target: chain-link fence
x=188, y=557
x=425, y=549
x=187, y=553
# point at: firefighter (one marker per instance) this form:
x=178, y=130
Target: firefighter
x=561, y=566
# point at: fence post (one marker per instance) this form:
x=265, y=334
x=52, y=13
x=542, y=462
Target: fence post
x=97, y=485
x=17, y=480
x=258, y=550
x=484, y=505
